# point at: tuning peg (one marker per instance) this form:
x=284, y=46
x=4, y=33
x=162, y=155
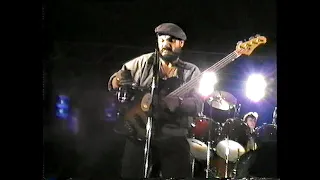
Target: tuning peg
x=257, y=35
x=239, y=42
x=251, y=38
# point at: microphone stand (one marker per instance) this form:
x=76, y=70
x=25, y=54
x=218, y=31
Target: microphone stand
x=154, y=90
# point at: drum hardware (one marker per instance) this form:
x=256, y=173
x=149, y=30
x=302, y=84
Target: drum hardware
x=227, y=153
x=209, y=149
x=222, y=100
x=274, y=116
x=192, y=166
x=234, y=172
x=237, y=111
x=227, y=160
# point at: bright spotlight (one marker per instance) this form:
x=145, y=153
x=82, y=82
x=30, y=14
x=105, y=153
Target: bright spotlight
x=207, y=82
x=255, y=87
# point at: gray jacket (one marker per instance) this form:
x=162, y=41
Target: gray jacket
x=142, y=72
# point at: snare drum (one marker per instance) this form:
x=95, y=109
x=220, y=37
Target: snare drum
x=233, y=139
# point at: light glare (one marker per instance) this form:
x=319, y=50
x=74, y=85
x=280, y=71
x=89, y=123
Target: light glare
x=255, y=87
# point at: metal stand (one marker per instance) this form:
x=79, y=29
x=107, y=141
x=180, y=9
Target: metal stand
x=274, y=116
x=209, y=143
x=236, y=110
x=209, y=149
x=235, y=174
x=227, y=158
x=149, y=125
x=192, y=166
x=237, y=114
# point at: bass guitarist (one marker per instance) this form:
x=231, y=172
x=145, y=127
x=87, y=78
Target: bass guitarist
x=169, y=150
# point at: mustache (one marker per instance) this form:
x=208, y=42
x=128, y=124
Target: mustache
x=166, y=48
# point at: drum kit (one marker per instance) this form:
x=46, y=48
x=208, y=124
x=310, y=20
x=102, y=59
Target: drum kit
x=218, y=147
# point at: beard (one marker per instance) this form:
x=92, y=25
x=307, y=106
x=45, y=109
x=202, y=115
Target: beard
x=170, y=55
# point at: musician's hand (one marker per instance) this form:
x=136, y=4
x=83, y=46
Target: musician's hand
x=122, y=77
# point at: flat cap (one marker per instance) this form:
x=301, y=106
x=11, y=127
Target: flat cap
x=254, y=114
x=172, y=30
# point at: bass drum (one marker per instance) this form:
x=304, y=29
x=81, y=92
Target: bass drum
x=233, y=139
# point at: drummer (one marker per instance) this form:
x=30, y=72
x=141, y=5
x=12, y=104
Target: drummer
x=250, y=120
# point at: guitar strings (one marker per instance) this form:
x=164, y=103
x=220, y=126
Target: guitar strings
x=215, y=67
x=194, y=81
x=191, y=83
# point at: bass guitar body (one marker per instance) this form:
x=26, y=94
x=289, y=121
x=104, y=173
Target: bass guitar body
x=134, y=112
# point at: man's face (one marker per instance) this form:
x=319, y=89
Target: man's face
x=252, y=122
x=169, y=47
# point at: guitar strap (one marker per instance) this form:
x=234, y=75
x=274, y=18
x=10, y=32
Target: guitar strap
x=181, y=68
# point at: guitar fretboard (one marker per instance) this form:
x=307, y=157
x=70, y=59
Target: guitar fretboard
x=187, y=87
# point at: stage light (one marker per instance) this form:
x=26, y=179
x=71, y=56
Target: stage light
x=207, y=82
x=73, y=120
x=62, y=107
x=255, y=87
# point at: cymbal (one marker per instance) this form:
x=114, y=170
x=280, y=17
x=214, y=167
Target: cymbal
x=222, y=100
x=235, y=150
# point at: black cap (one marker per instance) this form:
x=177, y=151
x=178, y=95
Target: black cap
x=172, y=30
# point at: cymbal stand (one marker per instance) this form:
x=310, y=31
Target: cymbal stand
x=209, y=144
x=193, y=158
x=227, y=158
x=192, y=166
x=274, y=116
x=237, y=110
x=209, y=149
x=234, y=173
x=229, y=111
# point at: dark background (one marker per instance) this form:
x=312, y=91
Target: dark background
x=89, y=40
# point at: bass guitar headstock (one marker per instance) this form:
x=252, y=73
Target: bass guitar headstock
x=249, y=46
